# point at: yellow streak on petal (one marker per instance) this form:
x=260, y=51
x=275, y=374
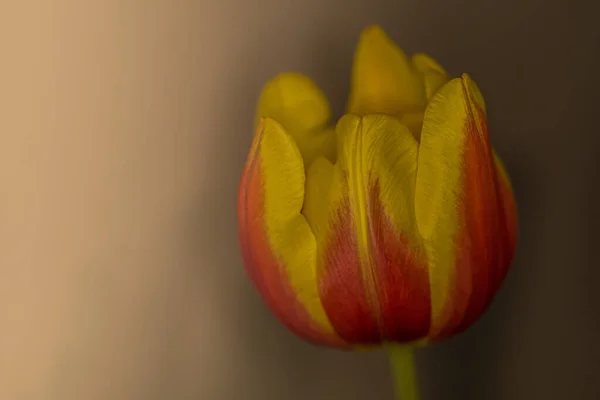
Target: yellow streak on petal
x=383, y=79
x=352, y=156
x=287, y=229
x=438, y=186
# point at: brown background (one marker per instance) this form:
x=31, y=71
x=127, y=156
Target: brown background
x=124, y=126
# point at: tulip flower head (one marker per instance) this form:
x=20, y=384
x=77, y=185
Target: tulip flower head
x=396, y=225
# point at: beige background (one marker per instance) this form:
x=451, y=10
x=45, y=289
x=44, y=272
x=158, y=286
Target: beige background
x=124, y=126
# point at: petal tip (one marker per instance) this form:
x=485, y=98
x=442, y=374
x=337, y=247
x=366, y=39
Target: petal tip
x=288, y=79
x=264, y=123
x=349, y=119
x=425, y=62
x=465, y=77
x=375, y=37
x=267, y=129
x=373, y=31
x=295, y=101
x=472, y=92
x=463, y=87
x=383, y=80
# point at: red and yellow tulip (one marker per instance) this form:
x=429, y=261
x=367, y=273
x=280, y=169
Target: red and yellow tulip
x=398, y=225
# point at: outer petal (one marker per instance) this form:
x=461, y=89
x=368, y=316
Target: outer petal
x=372, y=271
x=296, y=102
x=464, y=208
x=383, y=79
x=278, y=246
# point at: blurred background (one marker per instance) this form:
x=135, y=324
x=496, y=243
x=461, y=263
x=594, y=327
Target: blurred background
x=124, y=126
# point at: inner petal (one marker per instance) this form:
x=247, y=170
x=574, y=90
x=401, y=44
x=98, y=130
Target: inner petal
x=414, y=123
x=316, y=144
x=299, y=105
x=319, y=180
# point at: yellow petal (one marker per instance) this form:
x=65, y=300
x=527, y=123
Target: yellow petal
x=299, y=105
x=434, y=75
x=383, y=79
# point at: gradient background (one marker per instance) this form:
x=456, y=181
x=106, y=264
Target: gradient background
x=123, y=130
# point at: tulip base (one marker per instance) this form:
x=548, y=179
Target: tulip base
x=403, y=372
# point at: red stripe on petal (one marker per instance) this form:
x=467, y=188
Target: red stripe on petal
x=487, y=213
x=402, y=278
x=262, y=266
x=480, y=216
x=485, y=242
x=341, y=283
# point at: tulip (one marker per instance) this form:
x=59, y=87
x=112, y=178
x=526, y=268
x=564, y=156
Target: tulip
x=398, y=225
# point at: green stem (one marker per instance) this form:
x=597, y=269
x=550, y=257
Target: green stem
x=403, y=372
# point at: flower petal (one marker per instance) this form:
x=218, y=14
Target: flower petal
x=434, y=75
x=414, y=123
x=298, y=104
x=460, y=195
x=372, y=273
x=383, y=79
x=278, y=246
